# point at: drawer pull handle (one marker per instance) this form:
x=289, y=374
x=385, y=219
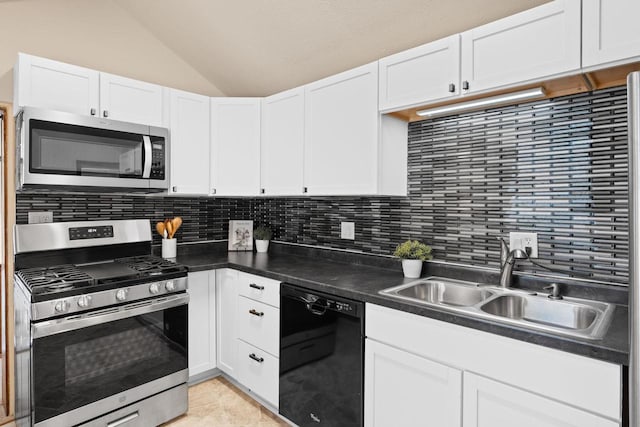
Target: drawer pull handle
x=258, y=287
x=256, y=313
x=256, y=358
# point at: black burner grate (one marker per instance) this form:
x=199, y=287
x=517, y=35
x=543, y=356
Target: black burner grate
x=57, y=278
x=151, y=265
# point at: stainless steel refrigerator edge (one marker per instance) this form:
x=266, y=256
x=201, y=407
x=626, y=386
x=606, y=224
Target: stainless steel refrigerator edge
x=633, y=88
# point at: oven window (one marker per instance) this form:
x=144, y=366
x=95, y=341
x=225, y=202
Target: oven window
x=76, y=368
x=64, y=149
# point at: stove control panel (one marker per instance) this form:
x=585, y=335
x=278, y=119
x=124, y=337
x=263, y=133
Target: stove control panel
x=82, y=233
x=97, y=300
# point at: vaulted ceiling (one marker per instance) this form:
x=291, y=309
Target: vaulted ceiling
x=235, y=48
x=260, y=47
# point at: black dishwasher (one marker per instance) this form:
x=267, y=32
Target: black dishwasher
x=321, y=358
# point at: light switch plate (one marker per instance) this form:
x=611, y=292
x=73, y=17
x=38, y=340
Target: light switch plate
x=518, y=240
x=40, y=217
x=348, y=230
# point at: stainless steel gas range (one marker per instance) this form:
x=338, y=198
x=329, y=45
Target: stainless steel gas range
x=101, y=326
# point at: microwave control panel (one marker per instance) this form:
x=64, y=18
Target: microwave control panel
x=158, y=158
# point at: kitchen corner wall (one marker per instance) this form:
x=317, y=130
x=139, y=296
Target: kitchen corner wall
x=556, y=167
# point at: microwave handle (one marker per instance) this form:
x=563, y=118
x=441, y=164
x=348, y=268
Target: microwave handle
x=148, y=156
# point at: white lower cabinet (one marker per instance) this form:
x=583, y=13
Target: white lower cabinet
x=259, y=371
x=402, y=389
x=202, y=322
x=421, y=371
x=489, y=403
x=227, y=307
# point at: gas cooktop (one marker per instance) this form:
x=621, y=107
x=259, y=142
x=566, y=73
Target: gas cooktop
x=71, y=279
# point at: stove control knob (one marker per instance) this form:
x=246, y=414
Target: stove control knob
x=62, y=306
x=121, y=294
x=84, y=301
x=154, y=288
x=170, y=286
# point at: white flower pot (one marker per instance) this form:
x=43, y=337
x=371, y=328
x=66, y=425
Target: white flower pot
x=262, y=245
x=169, y=248
x=412, y=268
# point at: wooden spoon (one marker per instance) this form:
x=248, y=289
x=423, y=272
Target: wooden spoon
x=160, y=228
x=169, y=227
x=176, y=223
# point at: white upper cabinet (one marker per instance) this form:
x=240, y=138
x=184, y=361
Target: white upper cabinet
x=423, y=74
x=531, y=45
x=130, y=100
x=189, y=118
x=235, y=146
x=53, y=85
x=341, y=133
x=43, y=83
x=281, y=153
x=610, y=31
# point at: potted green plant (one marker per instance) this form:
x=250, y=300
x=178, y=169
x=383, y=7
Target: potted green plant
x=262, y=234
x=412, y=253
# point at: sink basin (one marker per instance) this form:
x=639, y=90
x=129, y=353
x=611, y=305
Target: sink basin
x=440, y=292
x=543, y=311
x=574, y=317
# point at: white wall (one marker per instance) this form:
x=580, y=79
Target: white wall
x=96, y=34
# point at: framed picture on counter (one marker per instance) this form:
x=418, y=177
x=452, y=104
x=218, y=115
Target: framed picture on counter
x=240, y=235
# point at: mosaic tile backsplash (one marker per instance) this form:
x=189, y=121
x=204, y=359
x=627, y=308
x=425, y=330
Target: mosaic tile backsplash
x=555, y=167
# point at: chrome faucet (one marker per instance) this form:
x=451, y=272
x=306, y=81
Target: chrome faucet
x=507, y=262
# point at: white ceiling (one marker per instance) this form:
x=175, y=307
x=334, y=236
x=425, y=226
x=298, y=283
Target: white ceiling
x=260, y=47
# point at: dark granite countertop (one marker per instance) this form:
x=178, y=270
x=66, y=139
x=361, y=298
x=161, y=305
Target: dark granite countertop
x=354, y=276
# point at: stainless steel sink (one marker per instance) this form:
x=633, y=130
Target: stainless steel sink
x=570, y=316
x=561, y=314
x=439, y=292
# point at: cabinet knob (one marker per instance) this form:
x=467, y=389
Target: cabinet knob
x=93, y=111
x=262, y=191
x=465, y=85
x=304, y=189
x=258, y=287
x=213, y=191
x=256, y=313
x=174, y=189
x=452, y=87
x=105, y=113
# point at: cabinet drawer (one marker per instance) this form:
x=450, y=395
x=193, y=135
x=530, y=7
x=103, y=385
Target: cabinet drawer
x=260, y=288
x=259, y=325
x=258, y=371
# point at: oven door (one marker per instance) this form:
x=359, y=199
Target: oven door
x=87, y=365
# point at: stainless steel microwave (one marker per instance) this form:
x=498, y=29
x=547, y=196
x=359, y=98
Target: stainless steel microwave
x=72, y=152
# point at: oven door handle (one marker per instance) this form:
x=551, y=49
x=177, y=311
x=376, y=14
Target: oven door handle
x=71, y=323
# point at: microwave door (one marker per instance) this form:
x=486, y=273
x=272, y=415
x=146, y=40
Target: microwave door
x=65, y=154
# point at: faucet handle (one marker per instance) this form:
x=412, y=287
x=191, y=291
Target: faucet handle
x=555, y=291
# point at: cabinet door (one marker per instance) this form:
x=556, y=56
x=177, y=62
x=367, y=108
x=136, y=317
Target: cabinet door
x=420, y=75
x=130, y=100
x=189, y=118
x=202, y=322
x=341, y=133
x=488, y=403
x=227, y=307
x=235, y=146
x=281, y=153
x=609, y=31
x=531, y=45
x=43, y=83
x=402, y=389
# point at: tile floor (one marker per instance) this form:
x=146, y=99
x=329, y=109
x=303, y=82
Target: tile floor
x=218, y=403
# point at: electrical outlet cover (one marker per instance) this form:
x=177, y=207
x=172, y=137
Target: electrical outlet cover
x=40, y=217
x=348, y=230
x=518, y=240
